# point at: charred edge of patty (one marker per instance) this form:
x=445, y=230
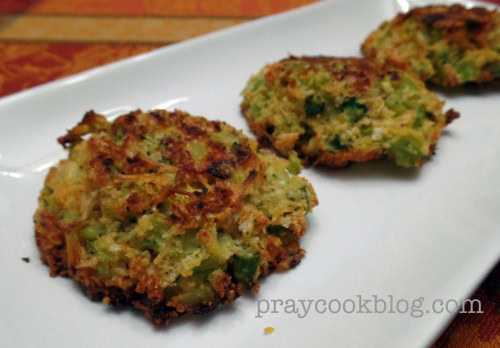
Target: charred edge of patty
x=54, y=253
x=451, y=115
x=91, y=123
x=477, y=20
x=53, y=249
x=263, y=137
x=160, y=313
x=52, y=245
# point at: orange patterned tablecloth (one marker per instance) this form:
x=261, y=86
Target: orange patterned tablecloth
x=43, y=40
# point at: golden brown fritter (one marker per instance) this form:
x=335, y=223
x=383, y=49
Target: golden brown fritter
x=169, y=213
x=447, y=45
x=334, y=111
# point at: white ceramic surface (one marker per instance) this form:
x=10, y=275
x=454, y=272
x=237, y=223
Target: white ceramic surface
x=379, y=230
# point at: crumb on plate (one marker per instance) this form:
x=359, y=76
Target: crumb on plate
x=268, y=330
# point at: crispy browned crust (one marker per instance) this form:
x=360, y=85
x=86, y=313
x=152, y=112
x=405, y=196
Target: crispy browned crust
x=362, y=71
x=54, y=253
x=466, y=28
x=53, y=249
x=62, y=255
x=90, y=123
x=160, y=313
x=50, y=241
x=451, y=115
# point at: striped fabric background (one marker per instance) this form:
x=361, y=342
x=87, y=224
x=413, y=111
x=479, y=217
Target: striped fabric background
x=42, y=40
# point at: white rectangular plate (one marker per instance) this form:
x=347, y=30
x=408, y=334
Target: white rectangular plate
x=379, y=230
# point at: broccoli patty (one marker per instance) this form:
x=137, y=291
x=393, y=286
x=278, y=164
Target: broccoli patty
x=169, y=213
x=447, y=45
x=334, y=111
